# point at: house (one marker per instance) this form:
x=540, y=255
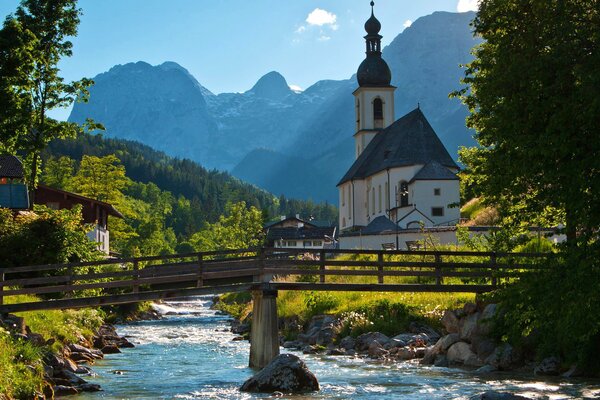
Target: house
x=403, y=180
x=13, y=191
x=94, y=212
x=294, y=232
x=14, y=195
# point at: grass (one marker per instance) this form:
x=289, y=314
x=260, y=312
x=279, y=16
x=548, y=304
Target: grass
x=21, y=366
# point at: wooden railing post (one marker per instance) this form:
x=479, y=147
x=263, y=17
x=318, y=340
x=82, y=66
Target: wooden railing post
x=438, y=270
x=493, y=268
x=322, y=266
x=380, y=267
x=200, y=273
x=136, y=277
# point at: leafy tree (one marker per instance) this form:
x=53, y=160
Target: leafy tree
x=33, y=42
x=102, y=178
x=58, y=172
x=240, y=227
x=534, y=96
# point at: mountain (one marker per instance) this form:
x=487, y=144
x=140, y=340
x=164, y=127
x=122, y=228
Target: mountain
x=298, y=144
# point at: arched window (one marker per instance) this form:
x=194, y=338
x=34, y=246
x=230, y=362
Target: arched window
x=378, y=113
x=403, y=194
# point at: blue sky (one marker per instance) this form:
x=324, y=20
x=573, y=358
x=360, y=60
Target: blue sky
x=229, y=44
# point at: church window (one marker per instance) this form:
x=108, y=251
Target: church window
x=437, y=211
x=387, y=196
x=378, y=113
x=349, y=202
x=373, y=201
x=343, y=222
x=379, y=197
x=437, y=192
x=343, y=196
x=403, y=194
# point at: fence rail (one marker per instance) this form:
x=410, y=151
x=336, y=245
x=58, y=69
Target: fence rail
x=126, y=280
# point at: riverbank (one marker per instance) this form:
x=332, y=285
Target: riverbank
x=48, y=353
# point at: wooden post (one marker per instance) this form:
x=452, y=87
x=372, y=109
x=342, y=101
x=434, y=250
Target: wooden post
x=136, y=277
x=200, y=273
x=380, y=267
x=322, y=265
x=261, y=265
x=438, y=270
x=493, y=268
x=264, y=333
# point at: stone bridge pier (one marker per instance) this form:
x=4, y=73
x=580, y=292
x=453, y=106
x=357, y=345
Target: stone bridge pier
x=264, y=336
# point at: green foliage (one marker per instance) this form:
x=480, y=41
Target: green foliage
x=533, y=104
x=21, y=369
x=35, y=40
x=58, y=172
x=239, y=228
x=319, y=303
x=46, y=237
x=101, y=178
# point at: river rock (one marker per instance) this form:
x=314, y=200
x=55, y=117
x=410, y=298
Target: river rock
x=376, y=350
x=441, y=346
x=364, y=341
x=419, y=328
x=410, y=339
x=459, y=352
x=548, y=366
x=89, y=387
x=504, y=357
x=486, y=319
x=441, y=360
x=62, y=390
x=450, y=322
x=406, y=353
x=110, y=349
x=348, y=343
x=491, y=395
x=469, y=308
x=286, y=373
x=468, y=326
x=292, y=344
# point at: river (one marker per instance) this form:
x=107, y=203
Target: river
x=191, y=355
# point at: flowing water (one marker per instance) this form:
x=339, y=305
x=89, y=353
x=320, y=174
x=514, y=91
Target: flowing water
x=191, y=355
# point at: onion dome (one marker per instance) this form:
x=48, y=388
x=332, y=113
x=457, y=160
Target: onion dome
x=373, y=71
x=372, y=26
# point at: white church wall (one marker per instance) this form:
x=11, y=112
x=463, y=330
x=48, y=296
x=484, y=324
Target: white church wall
x=426, y=200
x=375, y=242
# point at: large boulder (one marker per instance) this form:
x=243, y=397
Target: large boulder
x=320, y=330
x=450, y=322
x=286, y=373
x=486, y=319
x=459, y=353
x=376, y=350
x=468, y=326
x=548, y=366
x=504, y=357
x=419, y=328
x=440, y=347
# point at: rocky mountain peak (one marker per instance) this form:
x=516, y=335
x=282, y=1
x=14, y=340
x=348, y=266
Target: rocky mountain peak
x=272, y=86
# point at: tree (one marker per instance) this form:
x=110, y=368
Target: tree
x=101, y=178
x=33, y=42
x=58, y=172
x=534, y=96
x=239, y=228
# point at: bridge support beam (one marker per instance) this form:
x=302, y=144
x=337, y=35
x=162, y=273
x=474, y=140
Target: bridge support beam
x=264, y=336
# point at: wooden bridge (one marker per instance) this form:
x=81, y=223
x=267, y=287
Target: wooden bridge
x=263, y=272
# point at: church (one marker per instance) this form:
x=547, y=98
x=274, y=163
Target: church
x=403, y=180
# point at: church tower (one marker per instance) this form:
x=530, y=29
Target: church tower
x=374, y=98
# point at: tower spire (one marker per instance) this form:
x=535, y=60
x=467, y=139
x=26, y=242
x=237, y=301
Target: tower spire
x=373, y=71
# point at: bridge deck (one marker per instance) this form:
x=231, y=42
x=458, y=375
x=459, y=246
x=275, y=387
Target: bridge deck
x=119, y=281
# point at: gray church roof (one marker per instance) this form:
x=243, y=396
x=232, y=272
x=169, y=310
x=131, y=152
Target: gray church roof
x=10, y=167
x=434, y=171
x=379, y=225
x=409, y=141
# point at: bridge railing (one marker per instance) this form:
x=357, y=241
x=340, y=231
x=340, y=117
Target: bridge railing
x=127, y=280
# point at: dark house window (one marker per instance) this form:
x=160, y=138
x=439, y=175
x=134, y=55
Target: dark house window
x=403, y=194
x=437, y=211
x=437, y=192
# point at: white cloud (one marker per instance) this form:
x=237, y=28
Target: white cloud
x=467, y=5
x=295, y=88
x=321, y=17
x=407, y=23
x=301, y=29
x=323, y=38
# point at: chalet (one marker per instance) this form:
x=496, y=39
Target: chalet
x=403, y=179
x=13, y=191
x=14, y=195
x=296, y=233
x=94, y=212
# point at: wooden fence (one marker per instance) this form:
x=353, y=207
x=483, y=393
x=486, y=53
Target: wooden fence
x=128, y=280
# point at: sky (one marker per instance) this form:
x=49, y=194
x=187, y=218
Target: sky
x=229, y=44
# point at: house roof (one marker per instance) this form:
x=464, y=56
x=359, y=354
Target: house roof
x=434, y=171
x=300, y=233
x=281, y=221
x=10, y=167
x=409, y=141
x=110, y=209
x=379, y=225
